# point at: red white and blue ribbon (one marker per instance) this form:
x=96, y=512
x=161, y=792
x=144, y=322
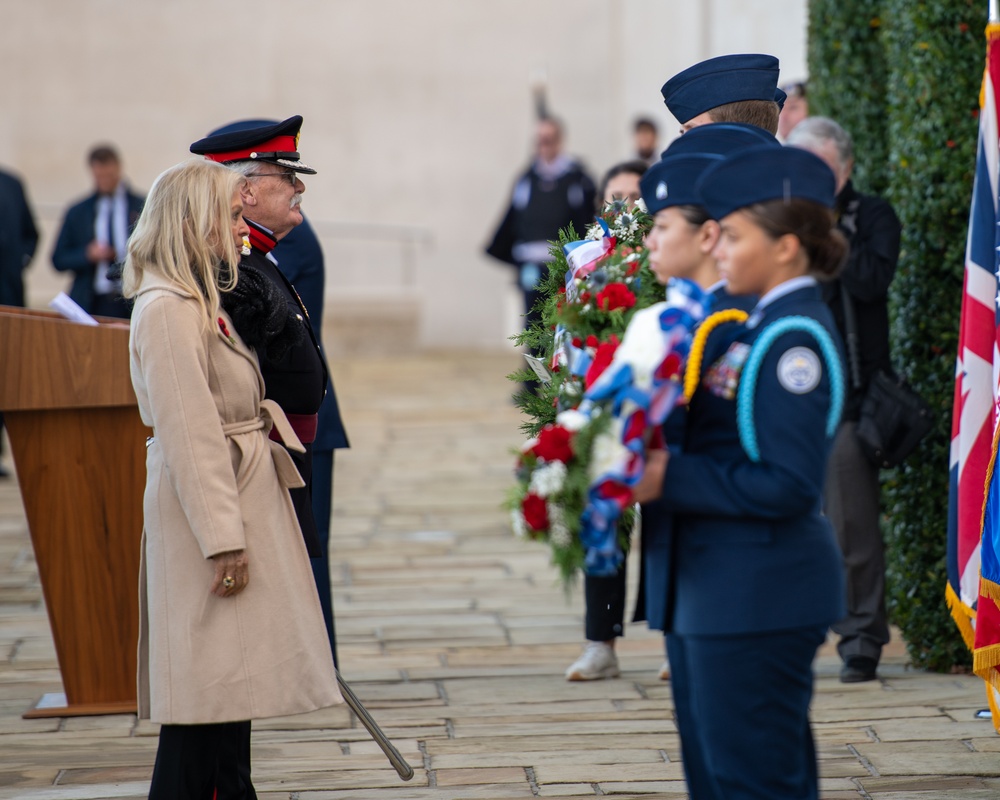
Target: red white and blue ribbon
x=642, y=385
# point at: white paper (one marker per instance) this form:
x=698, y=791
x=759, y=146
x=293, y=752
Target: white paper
x=69, y=308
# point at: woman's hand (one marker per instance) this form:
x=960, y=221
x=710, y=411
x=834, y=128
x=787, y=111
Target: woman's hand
x=650, y=485
x=232, y=573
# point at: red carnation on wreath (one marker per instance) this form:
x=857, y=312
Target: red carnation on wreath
x=554, y=444
x=615, y=295
x=602, y=359
x=536, y=515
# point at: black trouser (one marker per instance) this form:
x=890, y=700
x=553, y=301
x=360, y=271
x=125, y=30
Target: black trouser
x=322, y=502
x=605, y=606
x=194, y=762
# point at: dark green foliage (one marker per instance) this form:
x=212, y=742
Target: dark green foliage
x=903, y=77
x=935, y=52
x=847, y=80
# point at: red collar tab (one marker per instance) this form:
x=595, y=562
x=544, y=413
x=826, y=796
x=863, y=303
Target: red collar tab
x=261, y=239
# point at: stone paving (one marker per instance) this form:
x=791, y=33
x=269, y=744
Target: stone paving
x=456, y=636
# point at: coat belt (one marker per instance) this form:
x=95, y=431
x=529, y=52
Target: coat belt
x=273, y=418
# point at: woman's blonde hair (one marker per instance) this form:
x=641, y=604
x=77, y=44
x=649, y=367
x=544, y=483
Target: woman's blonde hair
x=183, y=233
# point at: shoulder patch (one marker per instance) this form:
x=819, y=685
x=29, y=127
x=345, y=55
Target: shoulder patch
x=799, y=370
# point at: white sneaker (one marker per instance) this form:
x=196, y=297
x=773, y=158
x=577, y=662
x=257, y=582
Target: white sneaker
x=597, y=661
x=665, y=671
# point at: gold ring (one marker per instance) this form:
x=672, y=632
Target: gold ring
x=228, y=582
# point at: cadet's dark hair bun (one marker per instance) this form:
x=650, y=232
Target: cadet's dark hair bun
x=815, y=227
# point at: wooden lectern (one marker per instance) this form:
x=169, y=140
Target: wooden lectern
x=79, y=450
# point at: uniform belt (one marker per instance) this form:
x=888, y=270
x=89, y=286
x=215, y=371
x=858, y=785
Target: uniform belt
x=304, y=426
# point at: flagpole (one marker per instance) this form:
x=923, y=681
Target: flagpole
x=994, y=12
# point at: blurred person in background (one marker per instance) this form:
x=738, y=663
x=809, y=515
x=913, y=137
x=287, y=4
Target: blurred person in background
x=852, y=495
x=18, y=240
x=795, y=110
x=94, y=236
x=554, y=192
x=646, y=137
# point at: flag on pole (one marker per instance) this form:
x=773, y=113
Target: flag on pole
x=974, y=530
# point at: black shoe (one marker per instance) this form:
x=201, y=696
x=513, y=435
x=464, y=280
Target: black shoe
x=858, y=669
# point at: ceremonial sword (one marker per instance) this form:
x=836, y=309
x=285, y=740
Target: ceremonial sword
x=404, y=769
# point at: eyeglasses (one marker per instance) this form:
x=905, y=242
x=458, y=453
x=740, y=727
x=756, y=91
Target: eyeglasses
x=289, y=175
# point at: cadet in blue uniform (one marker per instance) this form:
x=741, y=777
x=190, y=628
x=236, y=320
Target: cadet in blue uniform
x=733, y=88
x=680, y=245
x=756, y=577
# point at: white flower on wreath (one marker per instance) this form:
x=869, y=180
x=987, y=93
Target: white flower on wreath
x=640, y=205
x=607, y=452
x=595, y=232
x=530, y=443
x=518, y=523
x=572, y=419
x=626, y=224
x=548, y=479
x=559, y=533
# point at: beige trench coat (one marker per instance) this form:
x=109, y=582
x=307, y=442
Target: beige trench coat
x=215, y=482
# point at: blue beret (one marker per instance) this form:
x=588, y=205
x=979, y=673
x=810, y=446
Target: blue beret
x=721, y=80
x=721, y=138
x=672, y=181
x=272, y=142
x=759, y=174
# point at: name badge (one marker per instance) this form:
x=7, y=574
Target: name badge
x=723, y=378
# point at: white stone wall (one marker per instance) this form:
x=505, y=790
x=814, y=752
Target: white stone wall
x=418, y=115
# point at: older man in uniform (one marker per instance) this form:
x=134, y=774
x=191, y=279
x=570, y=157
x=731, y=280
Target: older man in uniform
x=300, y=259
x=265, y=307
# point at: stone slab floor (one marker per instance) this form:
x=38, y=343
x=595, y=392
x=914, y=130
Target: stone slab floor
x=456, y=636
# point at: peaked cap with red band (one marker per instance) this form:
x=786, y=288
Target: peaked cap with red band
x=274, y=143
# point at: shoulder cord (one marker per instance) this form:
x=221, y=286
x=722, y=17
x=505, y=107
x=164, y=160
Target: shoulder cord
x=692, y=374
x=751, y=372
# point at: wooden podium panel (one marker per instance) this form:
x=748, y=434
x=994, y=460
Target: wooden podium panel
x=79, y=450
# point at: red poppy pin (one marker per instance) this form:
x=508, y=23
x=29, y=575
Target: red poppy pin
x=225, y=331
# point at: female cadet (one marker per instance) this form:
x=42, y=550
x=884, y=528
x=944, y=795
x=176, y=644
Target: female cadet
x=604, y=596
x=217, y=647
x=755, y=574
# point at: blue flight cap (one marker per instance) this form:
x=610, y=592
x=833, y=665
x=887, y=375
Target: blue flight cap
x=671, y=181
x=721, y=138
x=780, y=96
x=760, y=174
x=718, y=81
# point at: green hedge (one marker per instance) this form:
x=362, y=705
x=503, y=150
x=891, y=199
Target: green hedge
x=847, y=81
x=927, y=116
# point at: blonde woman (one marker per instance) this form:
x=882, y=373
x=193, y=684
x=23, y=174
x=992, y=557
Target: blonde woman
x=230, y=623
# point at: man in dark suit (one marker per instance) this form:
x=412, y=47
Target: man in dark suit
x=265, y=152
x=94, y=235
x=18, y=240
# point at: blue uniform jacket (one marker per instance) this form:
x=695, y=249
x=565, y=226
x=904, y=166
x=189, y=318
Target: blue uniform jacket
x=657, y=517
x=77, y=231
x=752, y=551
x=300, y=259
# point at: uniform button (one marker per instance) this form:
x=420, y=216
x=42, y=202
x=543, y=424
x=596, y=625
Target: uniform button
x=298, y=317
